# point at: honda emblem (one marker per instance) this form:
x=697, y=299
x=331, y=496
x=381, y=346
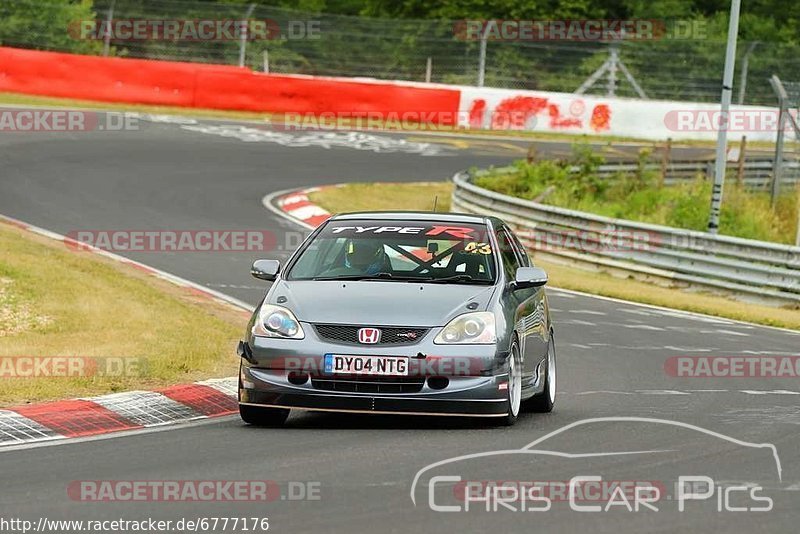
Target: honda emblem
x=369, y=336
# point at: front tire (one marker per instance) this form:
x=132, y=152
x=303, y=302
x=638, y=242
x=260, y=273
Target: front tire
x=263, y=416
x=544, y=401
x=514, y=385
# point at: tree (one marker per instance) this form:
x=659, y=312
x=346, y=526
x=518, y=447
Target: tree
x=46, y=25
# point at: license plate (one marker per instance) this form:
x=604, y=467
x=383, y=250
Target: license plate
x=366, y=365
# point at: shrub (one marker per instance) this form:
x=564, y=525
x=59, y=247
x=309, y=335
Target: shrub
x=638, y=196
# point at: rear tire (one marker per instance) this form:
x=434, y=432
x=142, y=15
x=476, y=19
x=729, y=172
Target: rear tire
x=544, y=401
x=263, y=416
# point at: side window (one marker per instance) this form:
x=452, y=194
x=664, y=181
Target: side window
x=521, y=252
x=508, y=256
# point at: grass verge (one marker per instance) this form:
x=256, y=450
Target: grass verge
x=385, y=196
x=416, y=196
x=120, y=328
x=639, y=196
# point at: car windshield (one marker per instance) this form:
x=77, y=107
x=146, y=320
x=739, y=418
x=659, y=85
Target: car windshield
x=401, y=251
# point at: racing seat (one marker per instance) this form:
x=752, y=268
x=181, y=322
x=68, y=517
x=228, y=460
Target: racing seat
x=472, y=264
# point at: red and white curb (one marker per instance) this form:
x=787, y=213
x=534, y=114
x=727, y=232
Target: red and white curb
x=131, y=410
x=296, y=206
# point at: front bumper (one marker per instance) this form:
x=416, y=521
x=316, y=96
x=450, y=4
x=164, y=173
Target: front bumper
x=464, y=380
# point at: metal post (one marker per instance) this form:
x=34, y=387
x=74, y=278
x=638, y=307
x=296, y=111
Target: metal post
x=266, y=61
x=591, y=80
x=531, y=154
x=243, y=40
x=742, y=159
x=428, y=69
x=745, y=66
x=482, y=58
x=109, y=22
x=777, y=86
x=722, y=137
x=610, y=66
x=632, y=80
x=611, y=88
x=778, y=165
x=665, y=160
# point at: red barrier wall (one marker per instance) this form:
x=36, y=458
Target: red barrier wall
x=173, y=83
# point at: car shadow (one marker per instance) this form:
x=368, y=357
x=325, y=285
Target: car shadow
x=356, y=421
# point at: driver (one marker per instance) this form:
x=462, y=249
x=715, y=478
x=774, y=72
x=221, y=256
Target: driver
x=365, y=256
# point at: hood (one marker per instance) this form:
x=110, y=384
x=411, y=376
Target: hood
x=378, y=303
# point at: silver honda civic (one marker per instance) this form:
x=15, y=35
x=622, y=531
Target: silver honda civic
x=401, y=313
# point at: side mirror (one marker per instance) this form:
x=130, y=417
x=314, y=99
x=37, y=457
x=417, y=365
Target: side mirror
x=265, y=269
x=527, y=277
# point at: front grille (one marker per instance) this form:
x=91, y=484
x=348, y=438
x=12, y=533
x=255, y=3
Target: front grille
x=389, y=335
x=370, y=384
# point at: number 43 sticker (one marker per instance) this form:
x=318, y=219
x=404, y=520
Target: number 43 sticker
x=478, y=248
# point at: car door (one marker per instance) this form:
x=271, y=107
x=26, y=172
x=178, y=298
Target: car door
x=518, y=302
x=531, y=312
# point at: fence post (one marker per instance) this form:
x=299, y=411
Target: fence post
x=777, y=166
x=783, y=99
x=531, y=157
x=428, y=69
x=745, y=66
x=482, y=58
x=611, y=86
x=665, y=161
x=243, y=39
x=265, y=61
x=109, y=22
x=742, y=158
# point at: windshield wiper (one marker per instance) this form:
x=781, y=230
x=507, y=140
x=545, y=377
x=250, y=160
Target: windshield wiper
x=355, y=277
x=457, y=278
x=464, y=278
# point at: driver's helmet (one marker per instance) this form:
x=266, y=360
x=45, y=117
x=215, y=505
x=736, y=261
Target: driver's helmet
x=366, y=255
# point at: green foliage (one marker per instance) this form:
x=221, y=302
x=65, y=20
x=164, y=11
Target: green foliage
x=638, y=196
x=45, y=25
x=399, y=35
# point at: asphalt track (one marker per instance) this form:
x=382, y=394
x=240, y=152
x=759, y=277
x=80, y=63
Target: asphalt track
x=611, y=364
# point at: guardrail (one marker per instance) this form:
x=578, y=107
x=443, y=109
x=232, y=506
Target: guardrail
x=754, y=270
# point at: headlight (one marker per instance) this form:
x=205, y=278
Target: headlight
x=475, y=327
x=277, y=321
